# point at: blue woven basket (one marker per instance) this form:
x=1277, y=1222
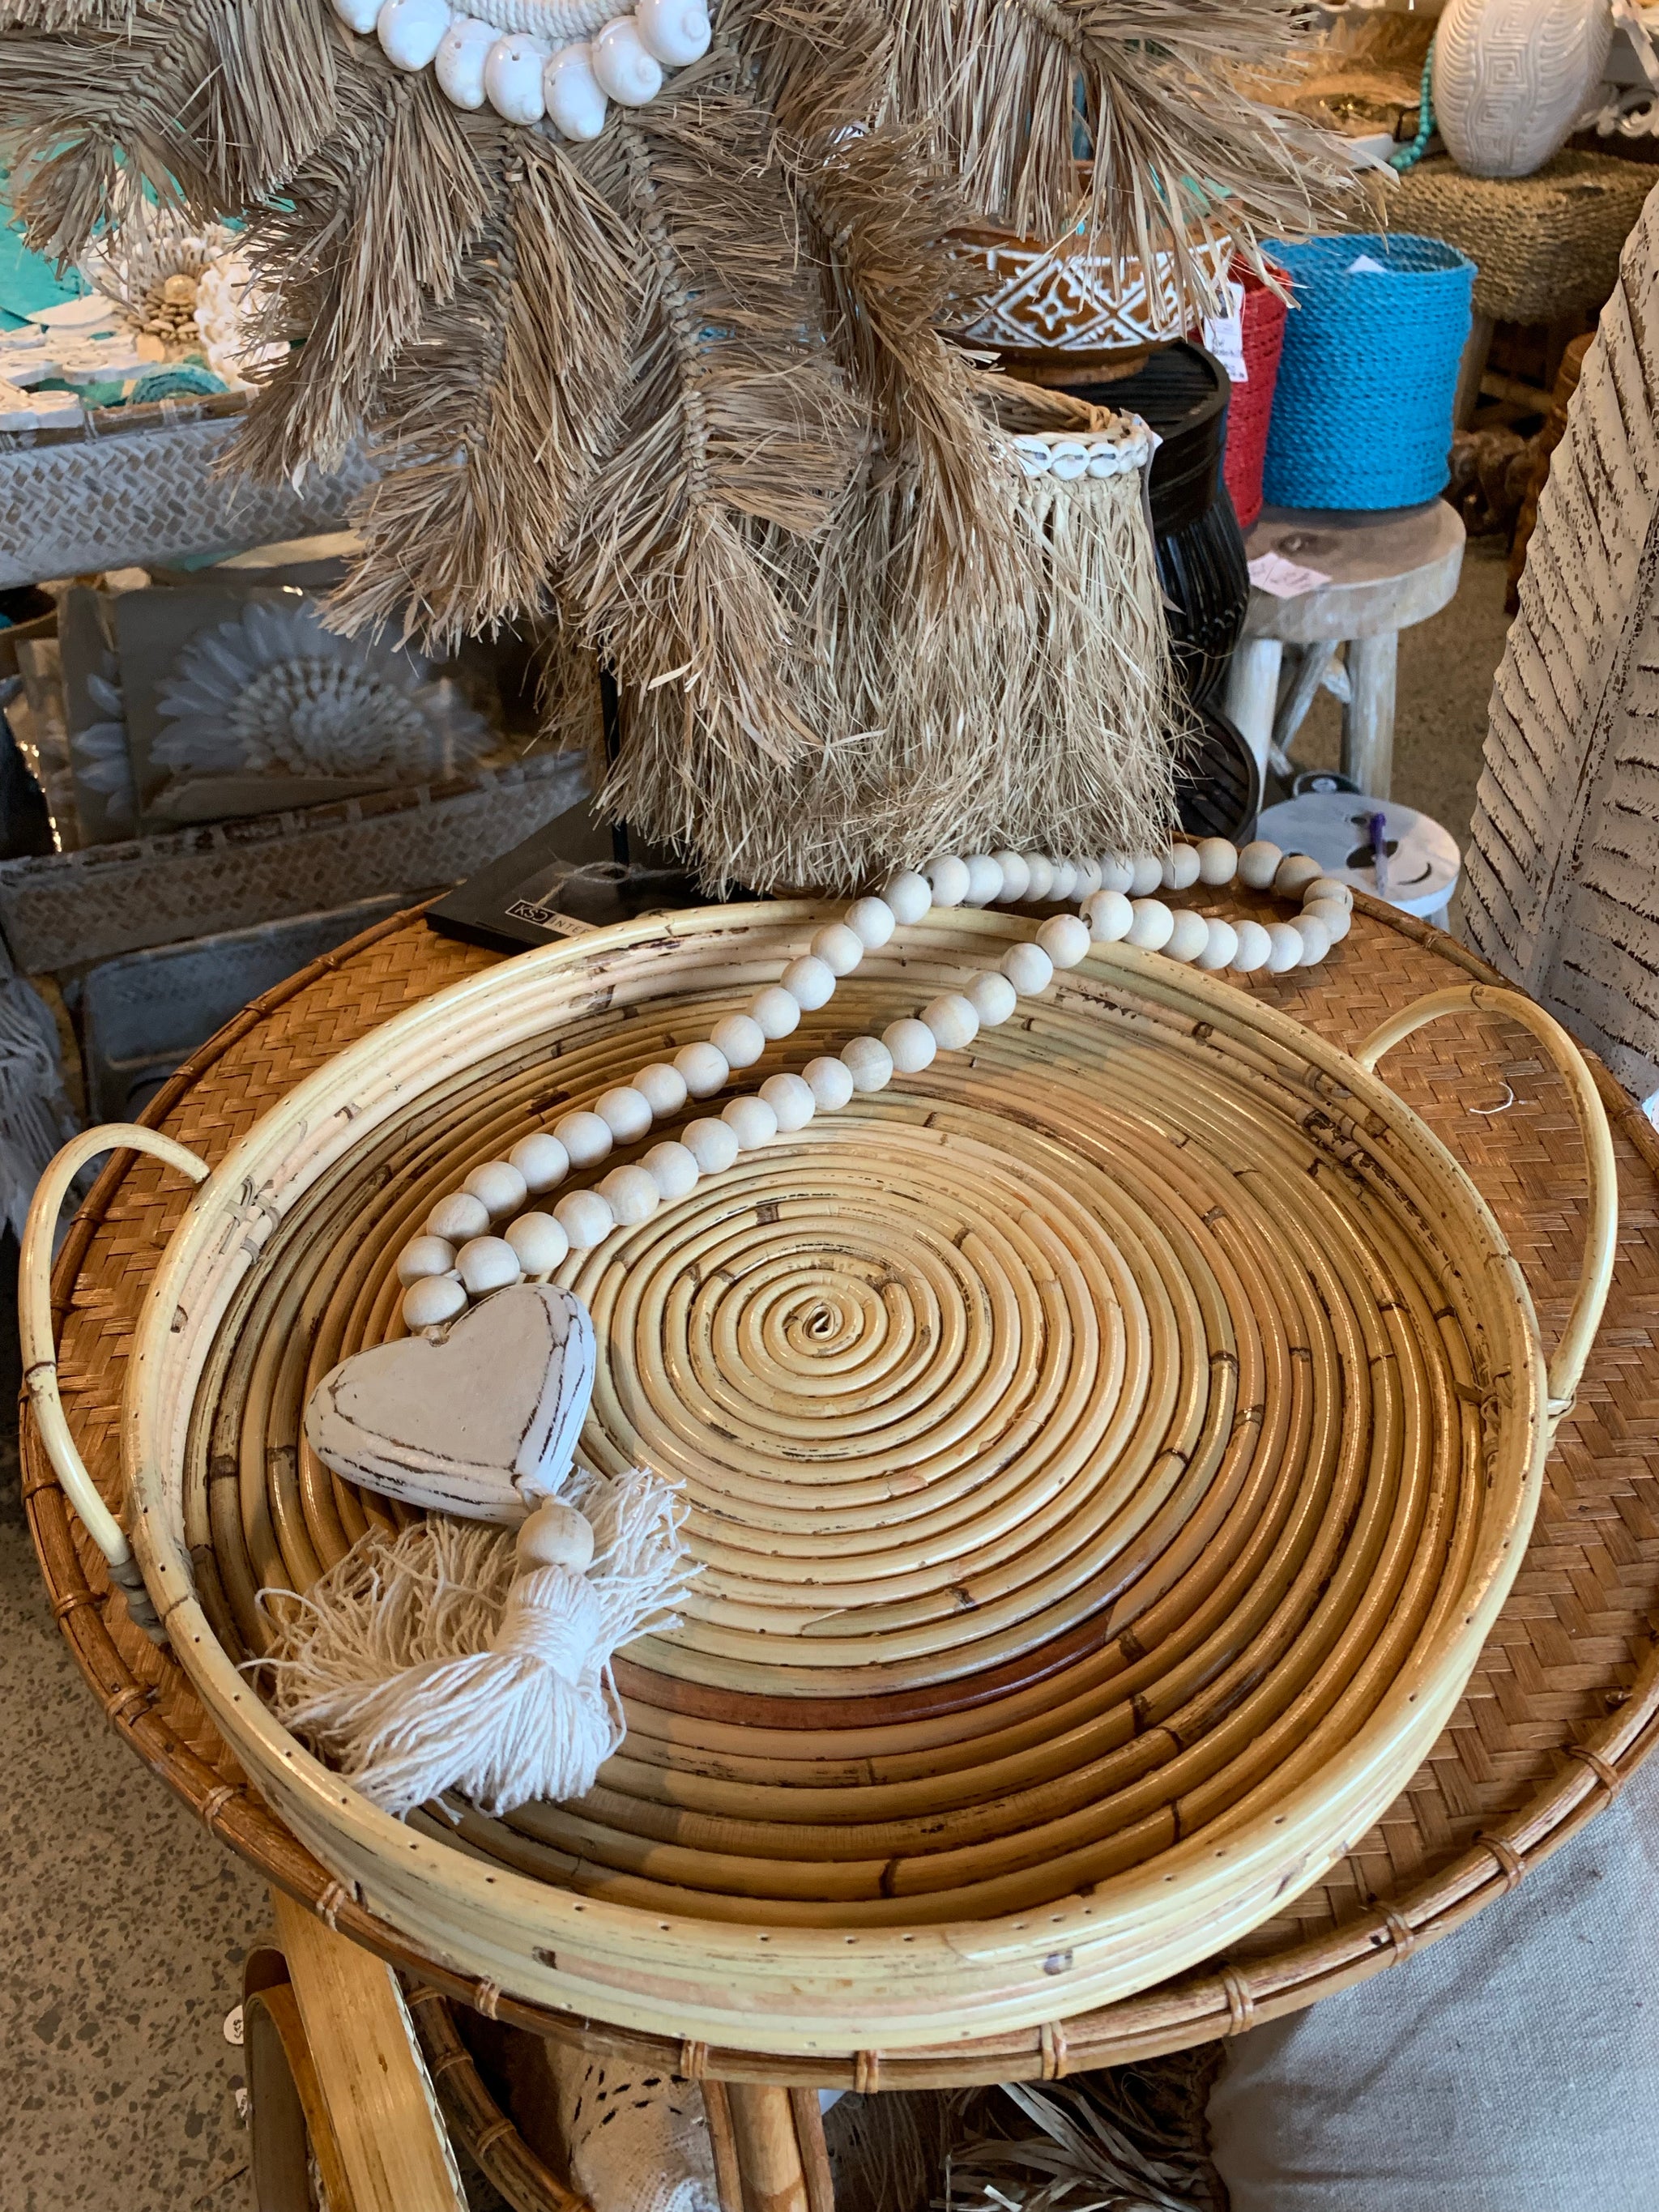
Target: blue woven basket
x=1363, y=414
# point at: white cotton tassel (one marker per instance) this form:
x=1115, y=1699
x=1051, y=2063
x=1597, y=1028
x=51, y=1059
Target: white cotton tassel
x=454, y=1656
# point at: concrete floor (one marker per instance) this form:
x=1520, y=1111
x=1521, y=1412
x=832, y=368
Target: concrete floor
x=125, y=1925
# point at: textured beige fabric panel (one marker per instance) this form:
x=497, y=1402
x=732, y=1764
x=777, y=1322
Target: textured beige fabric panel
x=1561, y=882
x=1513, y=2068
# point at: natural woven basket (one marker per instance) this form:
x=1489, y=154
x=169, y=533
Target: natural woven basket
x=1109, y=1454
x=1546, y=246
x=144, y=484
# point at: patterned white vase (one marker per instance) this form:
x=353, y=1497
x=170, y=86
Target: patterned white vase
x=1512, y=76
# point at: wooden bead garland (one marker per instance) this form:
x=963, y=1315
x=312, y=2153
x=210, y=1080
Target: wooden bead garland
x=457, y=1257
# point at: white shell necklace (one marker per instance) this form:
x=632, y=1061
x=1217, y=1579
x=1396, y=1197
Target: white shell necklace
x=459, y=1256
x=565, y=60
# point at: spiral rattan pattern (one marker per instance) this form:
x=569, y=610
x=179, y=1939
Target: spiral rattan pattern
x=1123, y=1545
x=910, y=1743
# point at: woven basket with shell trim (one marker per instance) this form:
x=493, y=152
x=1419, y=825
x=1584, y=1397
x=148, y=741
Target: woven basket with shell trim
x=1085, y=1182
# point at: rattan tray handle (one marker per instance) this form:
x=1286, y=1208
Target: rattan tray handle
x=1596, y=1273
x=40, y=1351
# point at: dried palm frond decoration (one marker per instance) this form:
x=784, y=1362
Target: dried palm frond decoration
x=660, y=361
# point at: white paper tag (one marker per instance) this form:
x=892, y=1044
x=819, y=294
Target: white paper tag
x=1272, y=573
x=1365, y=266
x=1223, y=335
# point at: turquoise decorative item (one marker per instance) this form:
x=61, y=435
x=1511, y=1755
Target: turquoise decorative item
x=179, y=380
x=1363, y=413
x=27, y=281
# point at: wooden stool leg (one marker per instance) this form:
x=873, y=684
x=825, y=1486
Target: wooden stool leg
x=369, y=2072
x=1368, y=719
x=1471, y=369
x=1252, y=693
x=779, y=2139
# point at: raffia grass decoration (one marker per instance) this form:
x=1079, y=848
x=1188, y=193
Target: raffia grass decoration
x=681, y=386
x=1080, y=1708
x=1034, y=708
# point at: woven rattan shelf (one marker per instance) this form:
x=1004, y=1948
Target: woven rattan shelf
x=1530, y=1752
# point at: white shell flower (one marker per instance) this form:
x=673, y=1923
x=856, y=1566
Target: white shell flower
x=273, y=690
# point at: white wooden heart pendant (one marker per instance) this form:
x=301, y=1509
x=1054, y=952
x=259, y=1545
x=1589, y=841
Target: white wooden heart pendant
x=470, y=1418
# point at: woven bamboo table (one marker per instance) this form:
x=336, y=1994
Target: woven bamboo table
x=1564, y=1702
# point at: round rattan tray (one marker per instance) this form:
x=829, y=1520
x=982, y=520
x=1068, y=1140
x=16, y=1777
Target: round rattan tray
x=1444, y=1871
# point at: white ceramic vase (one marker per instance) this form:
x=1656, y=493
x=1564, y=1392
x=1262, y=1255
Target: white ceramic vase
x=1512, y=76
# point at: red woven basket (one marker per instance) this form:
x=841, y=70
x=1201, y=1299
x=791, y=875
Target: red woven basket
x=1252, y=403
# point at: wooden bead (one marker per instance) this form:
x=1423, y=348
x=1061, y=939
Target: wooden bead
x=711, y=1144
x=631, y=1194
x=992, y=998
x=953, y=1020
x=1029, y=968
x=829, y=1081
x=840, y=950
x=542, y=1160
x=774, y=1012
x=1088, y=879
x=1189, y=937
x=1330, y=887
x=585, y=1137
x=434, y=1299
x=1252, y=950
x=1258, y=864
x=1218, y=861
x=555, y=1535
x=1146, y=875
x=487, y=1263
x=869, y=1062
x=739, y=1038
x=791, y=1100
x=1065, y=882
x=1152, y=927
x=911, y=1044
x=1039, y=877
x=1108, y=915
x=702, y=1068
x=673, y=1168
x=1294, y=874
x=1284, y=947
x=1065, y=939
x=1315, y=939
x=625, y=1112
x=539, y=1241
x=948, y=880
x=1015, y=877
x=663, y=1088
x=498, y=1185
x=984, y=880
x=1220, y=944
x=584, y=1217
x=1179, y=869
x=1338, y=920
x=752, y=1122
x=425, y=1255
x=459, y=1217
x=809, y=982
x=1117, y=875
x=873, y=921
x=909, y=894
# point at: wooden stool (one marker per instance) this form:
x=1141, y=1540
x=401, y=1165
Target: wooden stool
x=1387, y=571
